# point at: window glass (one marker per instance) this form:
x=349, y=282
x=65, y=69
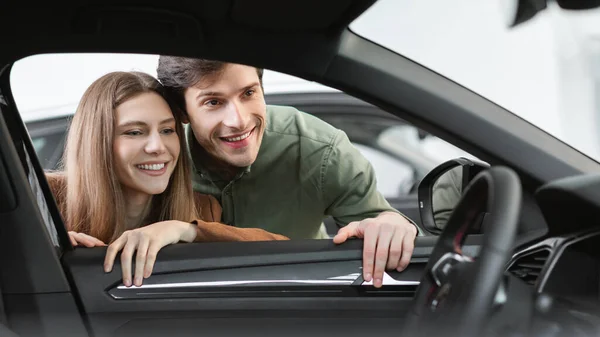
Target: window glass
x=393, y=175
x=38, y=144
x=399, y=153
x=49, y=149
x=541, y=70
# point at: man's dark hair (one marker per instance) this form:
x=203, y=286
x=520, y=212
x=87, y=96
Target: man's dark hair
x=179, y=73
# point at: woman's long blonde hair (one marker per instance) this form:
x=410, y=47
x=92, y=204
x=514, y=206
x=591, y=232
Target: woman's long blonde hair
x=94, y=200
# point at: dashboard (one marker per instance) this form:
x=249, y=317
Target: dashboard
x=562, y=271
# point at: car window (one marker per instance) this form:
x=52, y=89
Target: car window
x=556, y=67
x=38, y=144
x=400, y=154
x=394, y=177
x=48, y=149
x=419, y=148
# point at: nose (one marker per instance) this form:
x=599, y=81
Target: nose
x=155, y=144
x=236, y=116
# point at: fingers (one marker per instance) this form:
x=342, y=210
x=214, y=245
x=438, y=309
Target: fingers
x=346, y=232
x=145, y=243
x=369, y=246
x=387, y=245
x=140, y=260
x=151, y=258
x=97, y=242
x=385, y=234
x=72, y=238
x=126, y=256
x=111, y=252
x=395, y=250
x=85, y=240
x=146, y=251
x=408, y=246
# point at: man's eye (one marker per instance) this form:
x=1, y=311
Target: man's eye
x=212, y=102
x=249, y=92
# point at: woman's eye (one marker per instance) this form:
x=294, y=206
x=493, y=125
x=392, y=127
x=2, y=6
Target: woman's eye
x=133, y=133
x=168, y=131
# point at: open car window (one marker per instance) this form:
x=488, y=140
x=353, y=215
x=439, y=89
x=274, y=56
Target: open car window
x=47, y=107
x=400, y=154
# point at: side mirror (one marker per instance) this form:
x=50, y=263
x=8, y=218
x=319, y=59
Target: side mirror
x=517, y=12
x=441, y=189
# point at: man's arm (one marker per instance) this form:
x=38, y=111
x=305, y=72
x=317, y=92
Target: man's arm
x=349, y=189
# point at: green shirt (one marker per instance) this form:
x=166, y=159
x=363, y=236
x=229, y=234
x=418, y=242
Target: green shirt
x=305, y=170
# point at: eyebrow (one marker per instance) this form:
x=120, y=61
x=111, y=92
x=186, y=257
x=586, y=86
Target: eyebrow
x=140, y=123
x=216, y=93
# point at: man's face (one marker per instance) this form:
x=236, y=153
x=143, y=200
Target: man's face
x=227, y=113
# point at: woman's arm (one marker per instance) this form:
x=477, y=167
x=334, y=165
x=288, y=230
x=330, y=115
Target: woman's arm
x=215, y=231
x=209, y=227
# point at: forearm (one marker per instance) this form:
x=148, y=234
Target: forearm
x=214, y=231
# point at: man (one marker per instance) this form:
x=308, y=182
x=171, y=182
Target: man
x=278, y=168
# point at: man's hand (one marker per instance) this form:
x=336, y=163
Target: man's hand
x=389, y=240
x=146, y=242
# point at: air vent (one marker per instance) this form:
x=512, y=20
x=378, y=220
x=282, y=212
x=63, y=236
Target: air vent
x=529, y=265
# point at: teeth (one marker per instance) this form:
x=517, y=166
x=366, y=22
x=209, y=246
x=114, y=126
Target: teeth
x=237, y=139
x=153, y=167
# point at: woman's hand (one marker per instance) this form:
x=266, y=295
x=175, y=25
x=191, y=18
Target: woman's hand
x=78, y=239
x=147, y=241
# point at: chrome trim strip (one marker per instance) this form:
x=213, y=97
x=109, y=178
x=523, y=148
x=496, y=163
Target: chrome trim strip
x=234, y=283
x=336, y=280
x=352, y=277
x=389, y=281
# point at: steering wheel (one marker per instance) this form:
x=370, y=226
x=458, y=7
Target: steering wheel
x=457, y=292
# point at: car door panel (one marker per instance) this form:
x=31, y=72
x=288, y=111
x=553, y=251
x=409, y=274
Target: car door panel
x=271, y=324
x=198, y=280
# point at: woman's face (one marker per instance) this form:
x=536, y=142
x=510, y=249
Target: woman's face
x=146, y=146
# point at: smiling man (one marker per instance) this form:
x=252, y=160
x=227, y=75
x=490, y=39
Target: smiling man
x=278, y=168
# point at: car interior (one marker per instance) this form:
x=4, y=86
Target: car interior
x=518, y=256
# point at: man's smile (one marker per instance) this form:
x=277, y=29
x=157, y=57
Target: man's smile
x=238, y=141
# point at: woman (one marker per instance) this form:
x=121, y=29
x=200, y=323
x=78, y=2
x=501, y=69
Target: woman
x=126, y=177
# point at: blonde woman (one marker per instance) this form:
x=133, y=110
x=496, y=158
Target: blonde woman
x=126, y=178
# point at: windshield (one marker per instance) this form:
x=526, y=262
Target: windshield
x=547, y=70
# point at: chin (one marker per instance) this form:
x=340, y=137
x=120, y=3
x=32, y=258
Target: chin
x=242, y=162
x=155, y=190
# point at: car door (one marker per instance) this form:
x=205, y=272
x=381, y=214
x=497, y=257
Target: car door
x=252, y=288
